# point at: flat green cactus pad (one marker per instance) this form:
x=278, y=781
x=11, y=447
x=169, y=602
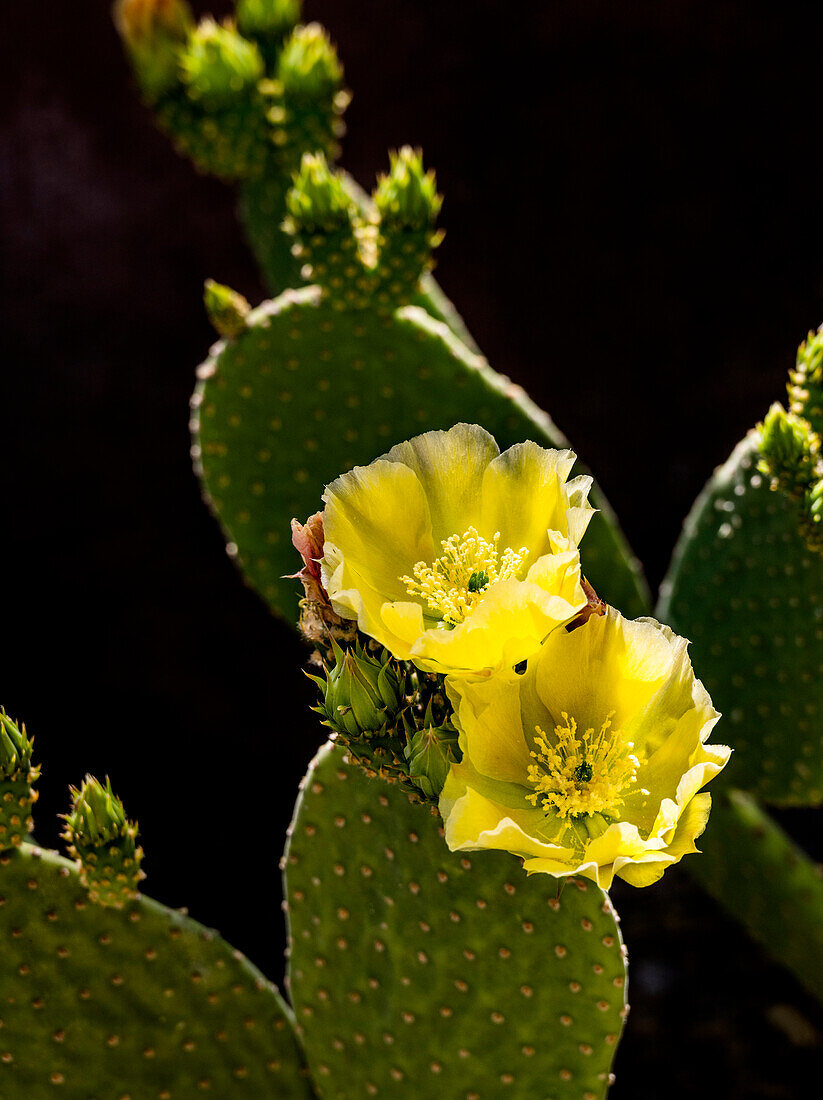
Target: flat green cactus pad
x=418, y=972
x=139, y=1003
x=763, y=879
x=749, y=594
x=308, y=391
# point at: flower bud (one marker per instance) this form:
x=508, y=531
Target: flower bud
x=789, y=449
x=16, y=778
x=430, y=753
x=226, y=308
x=218, y=64
x=105, y=842
x=408, y=196
x=362, y=695
x=318, y=202
x=308, y=67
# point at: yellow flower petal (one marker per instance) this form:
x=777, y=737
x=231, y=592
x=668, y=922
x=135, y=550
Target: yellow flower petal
x=422, y=549
x=449, y=467
x=535, y=473
x=613, y=721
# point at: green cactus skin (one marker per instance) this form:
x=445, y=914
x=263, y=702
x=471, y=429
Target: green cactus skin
x=746, y=589
x=413, y=969
x=140, y=1002
x=749, y=594
x=262, y=207
x=307, y=391
x=763, y=879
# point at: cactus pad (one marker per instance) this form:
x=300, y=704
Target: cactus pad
x=138, y=1003
x=747, y=591
x=413, y=968
x=763, y=879
x=307, y=391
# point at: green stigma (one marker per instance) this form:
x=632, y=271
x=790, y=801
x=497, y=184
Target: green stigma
x=478, y=580
x=583, y=772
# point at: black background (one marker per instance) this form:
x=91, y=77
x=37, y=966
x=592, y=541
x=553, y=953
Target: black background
x=633, y=210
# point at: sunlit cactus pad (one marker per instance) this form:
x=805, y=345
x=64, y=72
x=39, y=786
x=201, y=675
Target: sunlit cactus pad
x=307, y=391
x=417, y=972
x=140, y=1003
x=749, y=594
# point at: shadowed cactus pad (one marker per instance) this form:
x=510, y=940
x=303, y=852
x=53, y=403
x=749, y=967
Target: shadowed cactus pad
x=747, y=591
x=761, y=877
x=139, y=1002
x=413, y=970
x=307, y=391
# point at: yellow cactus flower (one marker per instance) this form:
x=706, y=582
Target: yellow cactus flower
x=454, y=555
x=589, y=763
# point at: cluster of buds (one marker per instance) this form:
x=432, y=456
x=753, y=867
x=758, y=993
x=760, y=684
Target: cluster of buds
x=790, y=456
x=391, y=718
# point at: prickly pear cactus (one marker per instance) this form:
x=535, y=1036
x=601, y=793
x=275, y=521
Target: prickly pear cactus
x=106, y=993
x=761, y=877
x=414, y=968
x=325, y=378
x=141, y=1001
x=746, y=585
x=749, y=593
x=243, y=99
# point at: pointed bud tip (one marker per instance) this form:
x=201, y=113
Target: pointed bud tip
x=318, y=201
x=308, y=66
x=227, y=309
x=219, y=65
x=407, y=196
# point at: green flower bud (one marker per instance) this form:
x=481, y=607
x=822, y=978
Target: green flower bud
x=789, y=449
x=218, y=65
x=318, y=201
x=407, y=197
x=16, y=779
x=308, y=67
x=100, y=836
x=430, y=753
x=362, y=696
x=227, y=310
x=806, y=381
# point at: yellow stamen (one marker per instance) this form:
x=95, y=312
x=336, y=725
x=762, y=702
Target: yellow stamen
x=585, y=775
x=455, y=583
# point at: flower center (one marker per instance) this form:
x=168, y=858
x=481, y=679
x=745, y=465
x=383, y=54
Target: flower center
x=455, y=583
x=581, y=775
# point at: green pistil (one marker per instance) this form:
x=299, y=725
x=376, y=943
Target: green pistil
x=583, y=772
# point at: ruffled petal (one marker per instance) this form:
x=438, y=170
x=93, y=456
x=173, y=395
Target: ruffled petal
x=377, y=517
x=450, y=467
x=526, y=495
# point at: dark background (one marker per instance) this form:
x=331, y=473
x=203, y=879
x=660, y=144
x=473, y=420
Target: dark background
x=633, y=212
